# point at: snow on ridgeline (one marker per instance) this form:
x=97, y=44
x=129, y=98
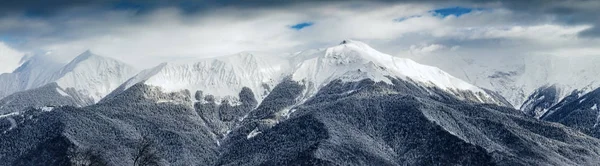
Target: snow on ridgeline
x=88, y=76
x=93, y=76
x=224, y=77
x=355, y=60
x=34, y=72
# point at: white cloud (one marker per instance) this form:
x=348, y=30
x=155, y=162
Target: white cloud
x=167, y=34
x=9, y=58
x=427, y=49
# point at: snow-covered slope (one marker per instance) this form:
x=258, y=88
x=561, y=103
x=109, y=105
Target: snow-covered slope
x=567, y=73
x=354, y=60
x=87, y=78
x=33, y=73
x=93, y=76
x=224, y=77
x=518, y=77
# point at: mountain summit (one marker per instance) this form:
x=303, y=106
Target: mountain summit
x=93, y=76
x=84, y=81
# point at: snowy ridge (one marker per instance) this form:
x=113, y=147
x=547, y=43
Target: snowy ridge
x=224, y=77
x=93, y=76
x=567, y=73
x=516, y=77
x=353, y=60
x=33, y=73
x=88, y=77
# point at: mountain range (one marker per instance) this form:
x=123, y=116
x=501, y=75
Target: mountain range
x=347, y=104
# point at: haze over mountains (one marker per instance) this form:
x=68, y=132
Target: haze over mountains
x=347, y=104
x=520, y=79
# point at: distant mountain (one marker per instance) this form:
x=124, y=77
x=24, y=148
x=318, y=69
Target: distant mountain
x=521, y=78
x=85, y=80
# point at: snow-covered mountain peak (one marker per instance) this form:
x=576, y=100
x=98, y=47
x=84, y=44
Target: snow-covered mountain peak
x=350, y=41
x=84, y=56
x=224, y=77
x=88, y=59
x=36, y=62
x=353, y=61
x=88, y=77
x=93, y=76
x=33, y=72
x=352, y=57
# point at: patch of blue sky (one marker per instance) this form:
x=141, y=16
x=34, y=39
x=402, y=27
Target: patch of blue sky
x=302, y=25
x=456, y=11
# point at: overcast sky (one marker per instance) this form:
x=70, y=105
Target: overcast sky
x=146, y=32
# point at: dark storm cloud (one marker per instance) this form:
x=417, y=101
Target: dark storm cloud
x=49, y=8
x=36, y=7
x=566, y=8
x=570, y=12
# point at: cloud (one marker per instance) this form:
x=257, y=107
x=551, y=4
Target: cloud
x=165, y=31
x=166, y=35
x=169, y=34
x=424, y=49
x=427, y=48
x=9, y=58
x=570, y=12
